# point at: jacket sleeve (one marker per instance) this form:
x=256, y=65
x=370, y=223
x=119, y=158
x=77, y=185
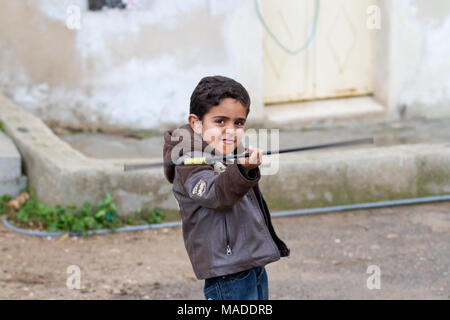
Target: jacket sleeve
x=217, y=191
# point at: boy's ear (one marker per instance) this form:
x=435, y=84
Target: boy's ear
x=195, y=123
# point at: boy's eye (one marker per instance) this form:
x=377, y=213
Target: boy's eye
x=238, y=123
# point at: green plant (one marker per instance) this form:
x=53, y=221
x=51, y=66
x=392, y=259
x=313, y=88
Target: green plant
x=147, y=216
x=156, y=215
x=3, y=203
x=1, y=126
x=103, y=215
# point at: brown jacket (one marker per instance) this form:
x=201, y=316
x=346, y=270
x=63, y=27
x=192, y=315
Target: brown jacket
x=225, y=220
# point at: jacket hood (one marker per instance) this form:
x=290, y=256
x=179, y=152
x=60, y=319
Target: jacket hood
x=176, y=138
x=193, y=142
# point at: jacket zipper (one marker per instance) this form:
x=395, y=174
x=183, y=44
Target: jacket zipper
x=227, y=236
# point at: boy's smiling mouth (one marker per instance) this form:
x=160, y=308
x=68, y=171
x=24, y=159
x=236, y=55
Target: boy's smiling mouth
x=228, y=141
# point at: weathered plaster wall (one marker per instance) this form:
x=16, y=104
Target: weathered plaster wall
x=412, y=65
x=125, y=68
x=137, y=68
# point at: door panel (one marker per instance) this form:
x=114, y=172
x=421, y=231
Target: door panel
x=339, y=60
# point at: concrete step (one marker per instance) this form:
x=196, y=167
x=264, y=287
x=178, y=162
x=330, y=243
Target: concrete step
x=10, y=161
x=11, y=179
x=13, y=187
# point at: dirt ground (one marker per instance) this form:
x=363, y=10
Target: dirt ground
x=330, y=254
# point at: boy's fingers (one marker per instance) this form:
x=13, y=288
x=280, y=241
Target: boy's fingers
x=256, y=159
x=258, y=155
x=255, y=155
x=249, y=150
x=252, y=158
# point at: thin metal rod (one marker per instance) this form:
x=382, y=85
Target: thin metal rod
x=359, y=206
x=130, y=167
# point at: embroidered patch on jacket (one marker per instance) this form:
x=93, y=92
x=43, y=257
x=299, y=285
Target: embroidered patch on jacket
x=199, y=188
x=219, y=167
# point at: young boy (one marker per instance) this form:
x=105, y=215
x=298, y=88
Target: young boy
x=226, y=224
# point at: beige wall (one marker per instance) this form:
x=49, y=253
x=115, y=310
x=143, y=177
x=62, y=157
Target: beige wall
x=137, y=68
x=412, y=58
x=125, y=68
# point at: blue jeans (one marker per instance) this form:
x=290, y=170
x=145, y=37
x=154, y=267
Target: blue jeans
x=251, y=284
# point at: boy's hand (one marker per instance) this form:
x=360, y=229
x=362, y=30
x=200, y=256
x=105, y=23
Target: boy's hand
x=253, y=161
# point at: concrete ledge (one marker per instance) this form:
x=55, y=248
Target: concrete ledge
x=13, y=187
x=318, y=179
x=11, y=179
x=10, y=161
x=327, y=110
x=61, y=175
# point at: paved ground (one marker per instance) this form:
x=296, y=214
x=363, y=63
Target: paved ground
x=100, y=145
x=330, y=256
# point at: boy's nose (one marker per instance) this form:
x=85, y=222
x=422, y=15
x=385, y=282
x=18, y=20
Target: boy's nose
x=228, y=132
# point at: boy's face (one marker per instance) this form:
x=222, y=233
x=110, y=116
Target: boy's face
x=223, y=126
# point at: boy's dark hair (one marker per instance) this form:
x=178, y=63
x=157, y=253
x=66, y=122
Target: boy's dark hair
x=211, y=90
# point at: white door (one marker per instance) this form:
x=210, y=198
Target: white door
x=315, y=49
